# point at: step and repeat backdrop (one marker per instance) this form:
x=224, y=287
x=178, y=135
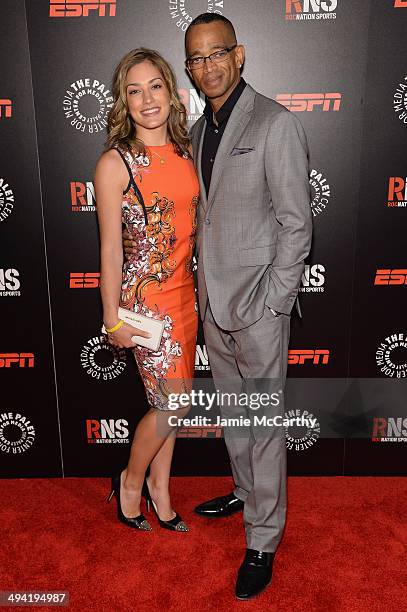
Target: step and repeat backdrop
x=69, y=402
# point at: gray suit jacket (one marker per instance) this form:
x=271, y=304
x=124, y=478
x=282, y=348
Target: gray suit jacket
x=254, y=229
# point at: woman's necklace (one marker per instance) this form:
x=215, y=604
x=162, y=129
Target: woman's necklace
x=162, y=159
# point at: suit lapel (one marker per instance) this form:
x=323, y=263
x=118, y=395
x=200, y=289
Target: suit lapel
x=197, y=142
x=235, y=127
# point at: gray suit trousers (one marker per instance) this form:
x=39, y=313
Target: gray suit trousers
x=249, y=360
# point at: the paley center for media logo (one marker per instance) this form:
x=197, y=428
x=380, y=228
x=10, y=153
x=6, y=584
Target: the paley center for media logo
x=9, y=282
x=389, y=429
x=313, y=279
x=391, y=356
x=300, y=10
x=320, y=192
x=400, y=100
x=6, y=200
x=107, y=431
x=82, y=8
x=101, y=360
x=302, y=429
x=5, y=108
x=86, y=104
x=182, y=12
x=83, y=197
x=17, y=433
x=397, y=192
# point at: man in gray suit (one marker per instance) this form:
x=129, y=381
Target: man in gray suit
x=254, y=232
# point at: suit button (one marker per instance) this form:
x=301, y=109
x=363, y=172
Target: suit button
x=207, y=221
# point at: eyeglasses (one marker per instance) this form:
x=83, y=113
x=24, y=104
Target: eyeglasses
x=193, y=63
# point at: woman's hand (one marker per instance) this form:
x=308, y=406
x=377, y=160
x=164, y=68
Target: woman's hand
x=122, y=338
x=129, y=245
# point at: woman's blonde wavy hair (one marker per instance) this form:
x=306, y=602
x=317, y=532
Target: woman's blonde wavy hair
x=120, y=125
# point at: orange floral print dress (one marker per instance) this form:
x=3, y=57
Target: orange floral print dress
x=159, y=212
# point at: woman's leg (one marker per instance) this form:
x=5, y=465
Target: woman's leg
x=153, y=443
x=146, y=443
x=159, y=479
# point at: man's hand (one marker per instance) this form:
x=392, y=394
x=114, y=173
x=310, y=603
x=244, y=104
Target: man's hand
x=129, y=245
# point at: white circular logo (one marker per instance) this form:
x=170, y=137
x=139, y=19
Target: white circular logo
x=86, y=105
x=391, y=356
x=400, y=100
x=101, y=360
x=320, y=191
x=182, y=12
x=303, y=430
x=16, y=433
x=6, y=200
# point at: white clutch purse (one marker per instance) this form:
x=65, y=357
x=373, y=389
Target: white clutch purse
x=154, y=327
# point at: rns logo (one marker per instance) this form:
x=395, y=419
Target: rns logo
x=313, y=279
x=193, y=102
x=9, y=283
x=103, y=431
x=201, y=358
x=397, y=195
x=298, y=10
x=83, y=197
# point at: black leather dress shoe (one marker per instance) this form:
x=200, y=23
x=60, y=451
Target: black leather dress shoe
x=220, y=506
x=254, y=573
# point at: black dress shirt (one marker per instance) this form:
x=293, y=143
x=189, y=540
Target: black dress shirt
x=214, y=133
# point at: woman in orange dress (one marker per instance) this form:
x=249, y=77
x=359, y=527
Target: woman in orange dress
x=146, y=181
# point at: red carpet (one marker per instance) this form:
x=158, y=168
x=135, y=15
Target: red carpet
x=344, y=548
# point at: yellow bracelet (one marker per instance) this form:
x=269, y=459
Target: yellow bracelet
x=115, y=328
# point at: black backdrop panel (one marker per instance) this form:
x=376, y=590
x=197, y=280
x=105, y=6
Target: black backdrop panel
x=333, y=64
x=29, y=434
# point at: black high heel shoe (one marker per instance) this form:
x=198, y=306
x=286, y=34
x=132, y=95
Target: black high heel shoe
x=175, y=524
x=138, y=522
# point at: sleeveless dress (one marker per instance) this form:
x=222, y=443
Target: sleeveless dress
x=159, y=212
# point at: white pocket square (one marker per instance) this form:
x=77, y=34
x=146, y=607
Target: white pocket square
x=242, y=150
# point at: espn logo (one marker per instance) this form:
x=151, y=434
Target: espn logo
x=302, y=356
x=397, y=194
x=391, y=277
x=81, y=8
x=199, y=432
x=103, y=431
x=5, y=109
x=20, y=360
x=298, y=103
x=83, y=196
x=84, y=280
x=400, y=3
